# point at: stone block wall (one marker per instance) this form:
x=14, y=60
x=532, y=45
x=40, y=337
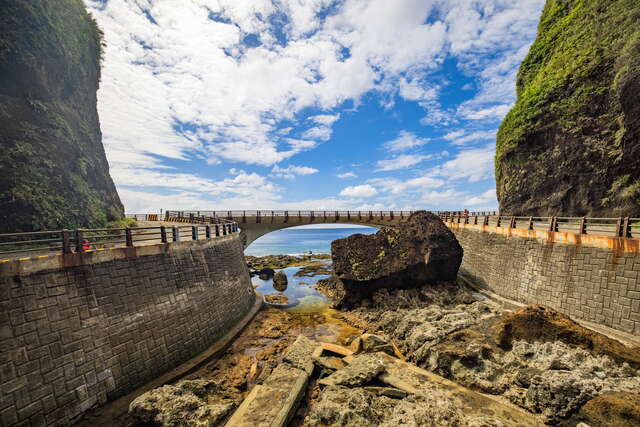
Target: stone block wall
x=596, y=279
x=78, y=330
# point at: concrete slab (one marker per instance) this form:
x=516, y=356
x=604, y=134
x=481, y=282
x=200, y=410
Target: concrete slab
x=273, y=403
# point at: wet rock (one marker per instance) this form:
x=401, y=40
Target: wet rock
x=276, y=299
x=184, y=404
x=361, y=370
x=421, y=250
x=612, y=409
x=273, y=261
x=280, y=281
x=266, y=273
x=300, y=354
x=539, y=323
x=349, y=407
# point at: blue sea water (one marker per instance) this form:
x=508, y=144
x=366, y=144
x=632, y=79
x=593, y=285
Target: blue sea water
x=300, y=240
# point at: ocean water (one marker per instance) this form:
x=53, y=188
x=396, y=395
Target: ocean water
x=300, y=240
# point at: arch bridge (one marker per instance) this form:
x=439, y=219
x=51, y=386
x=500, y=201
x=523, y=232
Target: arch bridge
x=255, y=224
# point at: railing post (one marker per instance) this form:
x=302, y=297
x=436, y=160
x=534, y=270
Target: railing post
x=217, y=230
x=512, y=223
x=498, y=223
x=194, y=232
x=391, y=215
x=66, y=242
x=337, y=216
x=175, y=231
x=530, y=223
x=583, y=225
x=475, y=220
x=359, y=215
x=163, y=234
x=381, y=215
x=286, y=217
x=79, y=239
x=485, y=221
x=128, y=237
x=258, y=219
x=244, y=217
x=370, y=216
x=625, y=228
x=619, y=227
x=348, y=215
x=313, y=216
x=553, y=224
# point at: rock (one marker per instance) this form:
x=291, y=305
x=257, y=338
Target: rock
x=434, y=410
x=266, y=273
x=372, y=343
x=577, y=110
x=329, y=362
x=612, y=410
x=276, y=299
x=349, y=407
x=184, y=404
x=300, y=354
x=280, y=281
x=356, y=345
x=539, y=323
x=387, y=391
x=361, y=370
x=421, y=250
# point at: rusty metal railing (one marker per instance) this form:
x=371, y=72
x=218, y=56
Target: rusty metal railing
x=13, y=245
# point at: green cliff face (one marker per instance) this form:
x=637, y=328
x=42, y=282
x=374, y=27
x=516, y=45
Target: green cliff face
x=53, y=170
x=571, y=144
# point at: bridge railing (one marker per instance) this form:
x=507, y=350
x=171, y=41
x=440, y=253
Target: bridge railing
x=13, y=245
x=620, y=227
x=612, y=227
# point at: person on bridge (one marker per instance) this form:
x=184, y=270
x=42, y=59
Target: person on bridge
x=86, y=245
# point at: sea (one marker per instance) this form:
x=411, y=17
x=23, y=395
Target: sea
x=299, y=240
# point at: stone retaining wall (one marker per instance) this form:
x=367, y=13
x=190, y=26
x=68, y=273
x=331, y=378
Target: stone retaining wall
x=79, y=329
x=593, y=278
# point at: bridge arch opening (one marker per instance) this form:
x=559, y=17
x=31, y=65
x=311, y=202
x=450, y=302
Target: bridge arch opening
x=298, y=239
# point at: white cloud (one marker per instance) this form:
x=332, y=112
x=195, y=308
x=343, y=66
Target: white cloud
x=405, y=141
x=346, y=175
x=472, y=165
x=396, y=186
x=291, y=171
x=325, y=119
x=487, y=198
x=462, y=138
x=322, y=133
x=400, y=162
x=359, y=191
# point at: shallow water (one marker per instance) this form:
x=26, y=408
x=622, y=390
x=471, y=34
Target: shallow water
x=299, y=290
x=323, y=323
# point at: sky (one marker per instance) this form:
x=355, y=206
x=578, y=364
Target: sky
x=308, y=104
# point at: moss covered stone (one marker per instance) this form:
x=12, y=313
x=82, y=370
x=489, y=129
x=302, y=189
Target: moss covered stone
x=574, y=132
x=52, y=162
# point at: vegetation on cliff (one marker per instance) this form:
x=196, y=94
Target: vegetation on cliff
x=54, y=172
x=571, y=144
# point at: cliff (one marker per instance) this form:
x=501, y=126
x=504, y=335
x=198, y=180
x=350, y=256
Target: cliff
x=53, y=169
x=571, y=144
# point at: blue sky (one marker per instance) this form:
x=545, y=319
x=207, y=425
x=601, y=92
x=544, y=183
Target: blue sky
x=308, y=104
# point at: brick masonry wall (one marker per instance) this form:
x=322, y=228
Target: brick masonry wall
x=76, y=336
x=596, y=284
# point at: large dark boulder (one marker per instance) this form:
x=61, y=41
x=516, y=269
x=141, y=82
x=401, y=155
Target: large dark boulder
x=421, y=250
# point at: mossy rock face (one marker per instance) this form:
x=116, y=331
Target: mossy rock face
x=52, y=162
x=571, y=143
